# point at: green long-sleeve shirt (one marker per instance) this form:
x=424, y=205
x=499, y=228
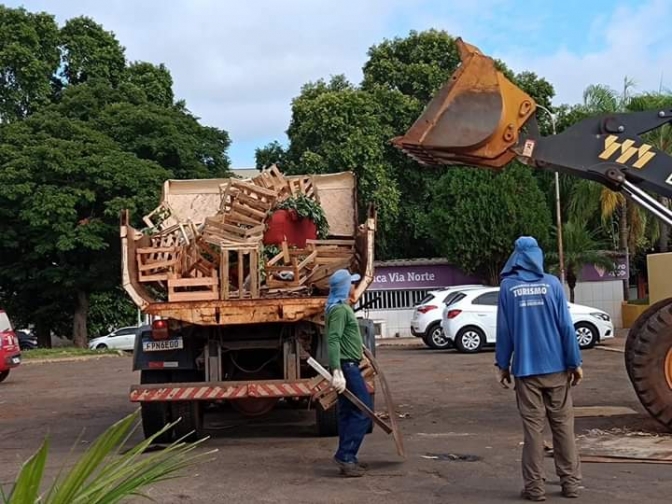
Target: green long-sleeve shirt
x=343, y=336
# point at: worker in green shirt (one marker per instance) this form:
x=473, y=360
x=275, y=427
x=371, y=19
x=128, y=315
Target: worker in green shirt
x=345, y=354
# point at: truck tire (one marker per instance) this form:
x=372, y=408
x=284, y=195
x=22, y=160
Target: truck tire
x=155, y=415
x=648, y=360
x=326, y=421
x=190, y=413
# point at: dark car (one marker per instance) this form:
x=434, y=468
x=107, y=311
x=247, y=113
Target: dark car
x=27, y=339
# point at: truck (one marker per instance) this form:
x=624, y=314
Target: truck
x=233, y=275
x=479, y=118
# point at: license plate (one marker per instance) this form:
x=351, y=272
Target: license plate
x=159, y=346
x=16, y=360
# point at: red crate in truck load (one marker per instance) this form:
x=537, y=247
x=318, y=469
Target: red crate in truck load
x=287, y=223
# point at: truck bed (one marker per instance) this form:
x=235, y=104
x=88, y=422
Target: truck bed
x=209, y=297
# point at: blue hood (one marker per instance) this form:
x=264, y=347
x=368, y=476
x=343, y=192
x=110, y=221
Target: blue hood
x=527, y=261
x=339, y=288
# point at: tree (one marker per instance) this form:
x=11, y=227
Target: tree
x=82, y=136
x=478, y=214
x=660, y=138
x=62, y=187
x=90, y=52
x=581, y=248
x=29, y=57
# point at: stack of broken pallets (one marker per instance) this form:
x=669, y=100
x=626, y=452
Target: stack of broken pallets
x=220, y=258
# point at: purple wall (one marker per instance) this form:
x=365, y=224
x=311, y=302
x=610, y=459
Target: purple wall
x=437, y=276
x=419, y=277
x=592, y=273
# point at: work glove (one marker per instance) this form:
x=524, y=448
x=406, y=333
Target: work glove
x=576, y=376
x=504, y=377
x=338, y=381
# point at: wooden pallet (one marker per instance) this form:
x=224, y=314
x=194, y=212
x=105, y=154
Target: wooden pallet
x=199, y=288
x=157, y=264
x=245, y=256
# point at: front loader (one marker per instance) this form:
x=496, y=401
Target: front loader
x=480, y=118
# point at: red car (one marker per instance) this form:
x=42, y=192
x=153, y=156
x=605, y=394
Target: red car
x=10, y=353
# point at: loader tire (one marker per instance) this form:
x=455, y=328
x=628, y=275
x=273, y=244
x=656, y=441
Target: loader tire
x=155, y=415
x=648, y=360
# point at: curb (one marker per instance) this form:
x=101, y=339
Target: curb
x=75, y=358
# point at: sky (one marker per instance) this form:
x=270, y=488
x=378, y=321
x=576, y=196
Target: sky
x=238, y=64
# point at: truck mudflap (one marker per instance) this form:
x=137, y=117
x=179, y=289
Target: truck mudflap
x=217, y=391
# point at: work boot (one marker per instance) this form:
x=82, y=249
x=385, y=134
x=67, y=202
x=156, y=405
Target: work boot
x=570, y=491
x=350, y=469
x=534, y=497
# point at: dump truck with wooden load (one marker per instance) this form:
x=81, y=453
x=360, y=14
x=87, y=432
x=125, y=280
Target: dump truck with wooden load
x=234, y=275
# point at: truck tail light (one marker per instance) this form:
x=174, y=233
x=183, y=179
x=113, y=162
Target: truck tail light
x=453, y=313
x=160, y=330
x=427, y=308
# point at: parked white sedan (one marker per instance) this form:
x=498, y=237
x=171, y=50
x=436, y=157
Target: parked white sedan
x=121, y=339
x=470, y=321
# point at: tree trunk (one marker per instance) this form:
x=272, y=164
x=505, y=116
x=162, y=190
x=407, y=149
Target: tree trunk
x=663, y=241
x=623, y=242
x=43, y=333
x=80, y=336
x=571, y=283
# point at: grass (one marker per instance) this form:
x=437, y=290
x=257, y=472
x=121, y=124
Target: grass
x=55, y=353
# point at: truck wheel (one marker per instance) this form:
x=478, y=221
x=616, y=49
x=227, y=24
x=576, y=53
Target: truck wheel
x=648, y=360
x=155, y=415
x=4, y=375
x=190, y=426
x=326, y=420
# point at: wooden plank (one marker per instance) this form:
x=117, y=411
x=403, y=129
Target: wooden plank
x=241, y=279
x=238, y=206
x=275, y=259
x=193, y=282
x=331, y=242
x=177, y=297
x=255, y=203
x=391, y=410
x=254, y=274
x=239, y=218
x=308, y=260
x=285, y=252
x=254, y=189
x=224, y=275
x=157, y=265
x=151, y=250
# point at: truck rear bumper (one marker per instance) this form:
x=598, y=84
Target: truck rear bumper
x=217, y=391
x=221, y=390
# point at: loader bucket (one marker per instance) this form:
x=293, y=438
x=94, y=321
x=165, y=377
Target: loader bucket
x=474, y=119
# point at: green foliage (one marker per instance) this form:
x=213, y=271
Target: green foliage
x=307, y=208
x=75, y=149
x=29, y=57
x=105, y=473
x=477, y=215
x=581, y=247
x=109, y=310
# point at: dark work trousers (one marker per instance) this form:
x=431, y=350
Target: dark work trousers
x=352, y=422
x=541, y=397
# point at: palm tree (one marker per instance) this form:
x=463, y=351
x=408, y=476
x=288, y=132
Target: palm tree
x=660, y=138
x=581, y=248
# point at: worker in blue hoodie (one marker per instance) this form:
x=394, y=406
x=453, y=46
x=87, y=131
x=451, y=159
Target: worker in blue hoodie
x=535, y=330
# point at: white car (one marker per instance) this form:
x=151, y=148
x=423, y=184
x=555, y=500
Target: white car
x=121, y=339
x=426, y=321
x=470, y=321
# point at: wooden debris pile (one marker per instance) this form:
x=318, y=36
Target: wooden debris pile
x=223, y=257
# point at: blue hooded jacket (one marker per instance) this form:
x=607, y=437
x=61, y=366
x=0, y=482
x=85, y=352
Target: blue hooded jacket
x=533, y=321
x=339, y=288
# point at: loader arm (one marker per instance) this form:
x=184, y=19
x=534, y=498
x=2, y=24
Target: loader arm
x=479, y=118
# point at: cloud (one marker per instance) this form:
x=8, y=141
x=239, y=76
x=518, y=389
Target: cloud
x=635, y=43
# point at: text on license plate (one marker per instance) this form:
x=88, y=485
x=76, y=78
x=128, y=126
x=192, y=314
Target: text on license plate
x=157, y=346
x=16, y=360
